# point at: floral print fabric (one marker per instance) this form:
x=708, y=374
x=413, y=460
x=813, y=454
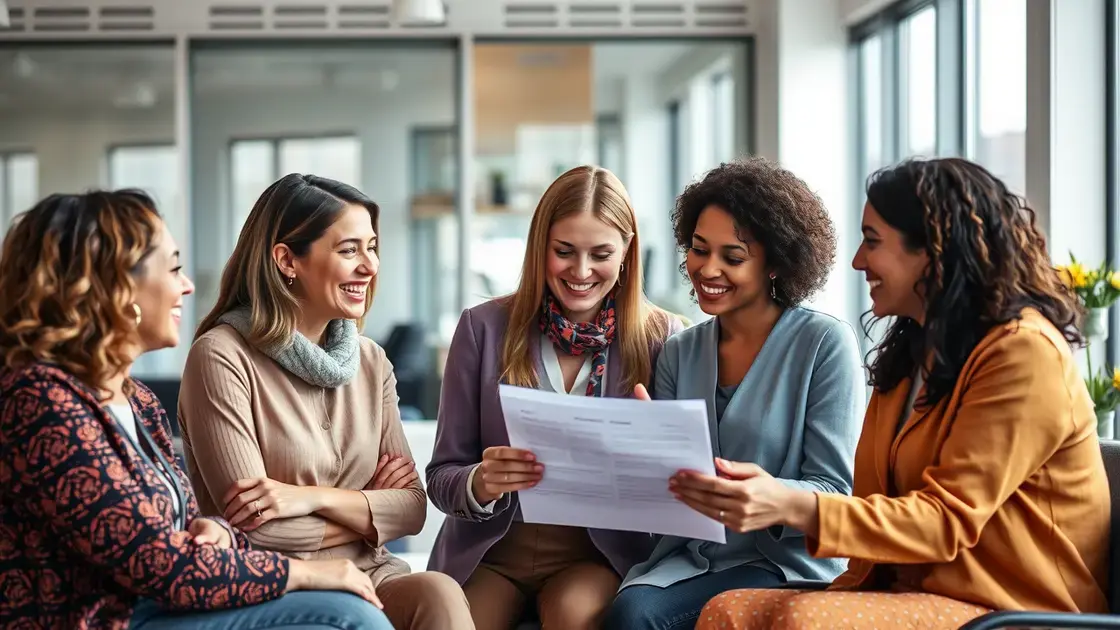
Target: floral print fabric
x=86, y=523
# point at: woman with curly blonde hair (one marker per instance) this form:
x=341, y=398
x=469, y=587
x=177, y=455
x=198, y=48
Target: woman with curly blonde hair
x=99, y=527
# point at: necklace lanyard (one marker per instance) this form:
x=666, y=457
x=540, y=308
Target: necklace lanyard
x=146, y=446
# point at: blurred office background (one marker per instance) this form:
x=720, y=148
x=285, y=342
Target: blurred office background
x=456, y=128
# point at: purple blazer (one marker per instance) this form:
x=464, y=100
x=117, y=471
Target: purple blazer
x=470, y=421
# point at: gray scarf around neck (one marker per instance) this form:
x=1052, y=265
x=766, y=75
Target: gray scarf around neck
x=330, y=366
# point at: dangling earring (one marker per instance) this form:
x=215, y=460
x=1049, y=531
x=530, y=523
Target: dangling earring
x=773, y=287
x=291, y=280
x=136, y=309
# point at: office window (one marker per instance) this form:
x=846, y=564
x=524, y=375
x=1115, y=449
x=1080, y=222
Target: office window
x=19, y=185
x=906, y=64
x=723, y=118
x=151, y=168
x=871, y=106
x=997, y=58
x=919, y=50
x=256, y=164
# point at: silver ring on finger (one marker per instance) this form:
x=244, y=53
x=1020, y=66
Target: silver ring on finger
x=257, y=505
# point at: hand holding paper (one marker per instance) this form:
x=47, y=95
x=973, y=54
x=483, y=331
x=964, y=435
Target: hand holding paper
x=505, y=469
x=607, y=462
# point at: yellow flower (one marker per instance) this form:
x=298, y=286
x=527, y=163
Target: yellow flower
x=1114, y=280
x=1078, y=277
x=1116, y=378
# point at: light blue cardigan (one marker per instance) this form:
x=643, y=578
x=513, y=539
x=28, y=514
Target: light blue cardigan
x=797, y=414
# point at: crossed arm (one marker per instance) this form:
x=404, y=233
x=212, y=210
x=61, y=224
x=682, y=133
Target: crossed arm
x=280, y=516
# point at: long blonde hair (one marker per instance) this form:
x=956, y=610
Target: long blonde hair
x=598, y=191
x=295, y=210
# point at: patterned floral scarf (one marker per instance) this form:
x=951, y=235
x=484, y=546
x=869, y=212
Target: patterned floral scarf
x=577, y=338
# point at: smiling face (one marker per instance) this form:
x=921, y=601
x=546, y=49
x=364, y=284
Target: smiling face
x=893, y=270
x=333, y=278
x=585, y=256
x=160, y=287
x=726, y=265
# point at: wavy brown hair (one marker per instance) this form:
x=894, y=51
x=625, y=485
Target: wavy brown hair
x=987, y=262
x=67, y=282
x=598, y=191
x=295, y=210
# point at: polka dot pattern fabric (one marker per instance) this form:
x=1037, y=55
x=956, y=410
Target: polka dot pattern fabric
x=774, y=609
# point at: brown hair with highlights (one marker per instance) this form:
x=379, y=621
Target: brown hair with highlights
x=67, y=282
x=295, y=210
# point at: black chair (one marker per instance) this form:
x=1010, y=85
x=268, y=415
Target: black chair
x=408, y=350
x=1110, y=450
x=167, y=391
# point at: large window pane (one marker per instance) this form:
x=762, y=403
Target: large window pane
x=919, y=39
x=21, y=182
x=336, y=158
x=871, y=105
x=1001, y=82
x=252, y=169
x=94, y=116
x=153, y=169
x=19, y=186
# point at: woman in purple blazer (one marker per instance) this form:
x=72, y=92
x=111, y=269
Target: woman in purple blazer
x=580, y=324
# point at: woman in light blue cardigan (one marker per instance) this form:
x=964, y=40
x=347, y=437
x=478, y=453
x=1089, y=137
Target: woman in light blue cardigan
x=784, y=386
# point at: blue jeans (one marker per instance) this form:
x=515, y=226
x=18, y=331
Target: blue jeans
x=644, y=607
x=302, y=610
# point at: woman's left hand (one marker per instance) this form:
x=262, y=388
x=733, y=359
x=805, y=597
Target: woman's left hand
x=744, y=497
x=251, y=503
x=207, y=531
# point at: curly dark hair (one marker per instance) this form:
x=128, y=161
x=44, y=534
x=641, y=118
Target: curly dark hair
x=987, y=262
x=781, y=212
x=67, y=282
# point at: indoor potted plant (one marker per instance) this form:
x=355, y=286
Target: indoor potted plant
x=1104, y=389
x=1098, y=289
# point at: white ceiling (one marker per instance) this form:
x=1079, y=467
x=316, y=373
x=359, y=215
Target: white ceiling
x=87, y=80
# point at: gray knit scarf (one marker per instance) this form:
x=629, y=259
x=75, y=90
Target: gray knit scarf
x=329, y=366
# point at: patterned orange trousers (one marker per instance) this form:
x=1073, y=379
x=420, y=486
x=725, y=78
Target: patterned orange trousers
x=775, y=609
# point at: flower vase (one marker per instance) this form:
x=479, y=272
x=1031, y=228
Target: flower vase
x=1106, y=424
x=1095, y=327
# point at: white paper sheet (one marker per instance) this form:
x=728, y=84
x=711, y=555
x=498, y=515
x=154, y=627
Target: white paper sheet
x=607, y=461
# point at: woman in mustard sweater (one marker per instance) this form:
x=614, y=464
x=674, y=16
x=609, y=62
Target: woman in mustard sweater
x=979, y=483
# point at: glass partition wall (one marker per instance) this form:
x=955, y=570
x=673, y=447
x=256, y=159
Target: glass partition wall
x=381, y=115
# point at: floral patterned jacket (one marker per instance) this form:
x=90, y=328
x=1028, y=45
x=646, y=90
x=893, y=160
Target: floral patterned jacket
x=86, y=524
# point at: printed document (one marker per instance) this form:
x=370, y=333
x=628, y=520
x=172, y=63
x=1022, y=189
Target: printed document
x=607, y=461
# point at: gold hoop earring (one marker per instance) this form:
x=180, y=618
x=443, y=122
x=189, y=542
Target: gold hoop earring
x=621, y=270
x=139, y=315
